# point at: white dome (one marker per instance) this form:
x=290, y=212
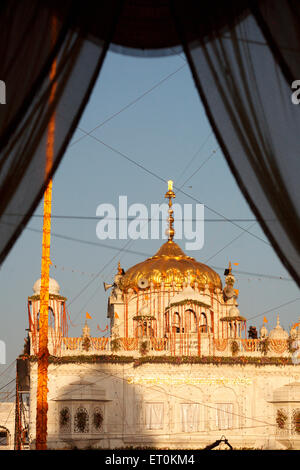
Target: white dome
x=145, y=310
x=188, y=293
x=234, y=312
x=263, y=332
x=278, y=332
x=54, y=287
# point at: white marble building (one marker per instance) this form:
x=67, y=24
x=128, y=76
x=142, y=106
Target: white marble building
x=177, y=371
x=7, y=425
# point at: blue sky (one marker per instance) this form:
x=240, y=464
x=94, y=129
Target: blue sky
x=162, y=131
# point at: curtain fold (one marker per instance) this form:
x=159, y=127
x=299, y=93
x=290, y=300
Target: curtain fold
x=279, y=22
x=242, y=67
x=243, y=55
x=33, y=36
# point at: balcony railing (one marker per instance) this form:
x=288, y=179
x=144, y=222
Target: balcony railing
x=177, y=344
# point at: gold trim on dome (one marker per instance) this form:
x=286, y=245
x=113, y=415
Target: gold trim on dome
x=170, y=195
x=170, y=265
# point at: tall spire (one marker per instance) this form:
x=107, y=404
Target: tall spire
x=120, y=270
x=170, y=195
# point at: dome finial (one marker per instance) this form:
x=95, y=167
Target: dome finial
x=170, y=195
x=86, y=330
x=120, y=270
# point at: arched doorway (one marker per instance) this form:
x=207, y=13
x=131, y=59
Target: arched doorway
x=176, y=321
x=190, y=321
x=4, y=437
x=203, y=323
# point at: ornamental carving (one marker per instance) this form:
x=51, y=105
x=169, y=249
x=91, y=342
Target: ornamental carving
x=281, y=419
x=81, y=421
x=65, y=420
x=98, y=420
x=296, y=421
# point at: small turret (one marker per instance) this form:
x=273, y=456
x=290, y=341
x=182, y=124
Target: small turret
x=263, y=332
x=278, y=332
x=86, y=331
x=228, y=291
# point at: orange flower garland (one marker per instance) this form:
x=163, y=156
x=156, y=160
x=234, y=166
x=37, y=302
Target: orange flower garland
x=278, y=345
x=158, y=343
x=220, y=344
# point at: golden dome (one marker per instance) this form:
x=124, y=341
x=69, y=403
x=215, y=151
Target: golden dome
x=170, y=264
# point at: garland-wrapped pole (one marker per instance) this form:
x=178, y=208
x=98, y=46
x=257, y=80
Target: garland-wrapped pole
x=43, y=353
x=18, y=430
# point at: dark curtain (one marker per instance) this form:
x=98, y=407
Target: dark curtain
x=34, y=36
x=244, y=56
x=243, y=61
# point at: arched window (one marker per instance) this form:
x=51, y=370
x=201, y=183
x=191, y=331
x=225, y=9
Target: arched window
x=81, y=421
x=296, y=421
x=4, y=436
x=203, y=323
x=97, y=420
x=190, y=321
x=224, y=415
x=140, y=331
x=212, y=328
x=176, y=323
x=144, y=329
x=51, y=318
x=65, y=420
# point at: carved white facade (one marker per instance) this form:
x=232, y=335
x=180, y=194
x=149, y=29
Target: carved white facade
x=167, y=405
x=178, y=369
